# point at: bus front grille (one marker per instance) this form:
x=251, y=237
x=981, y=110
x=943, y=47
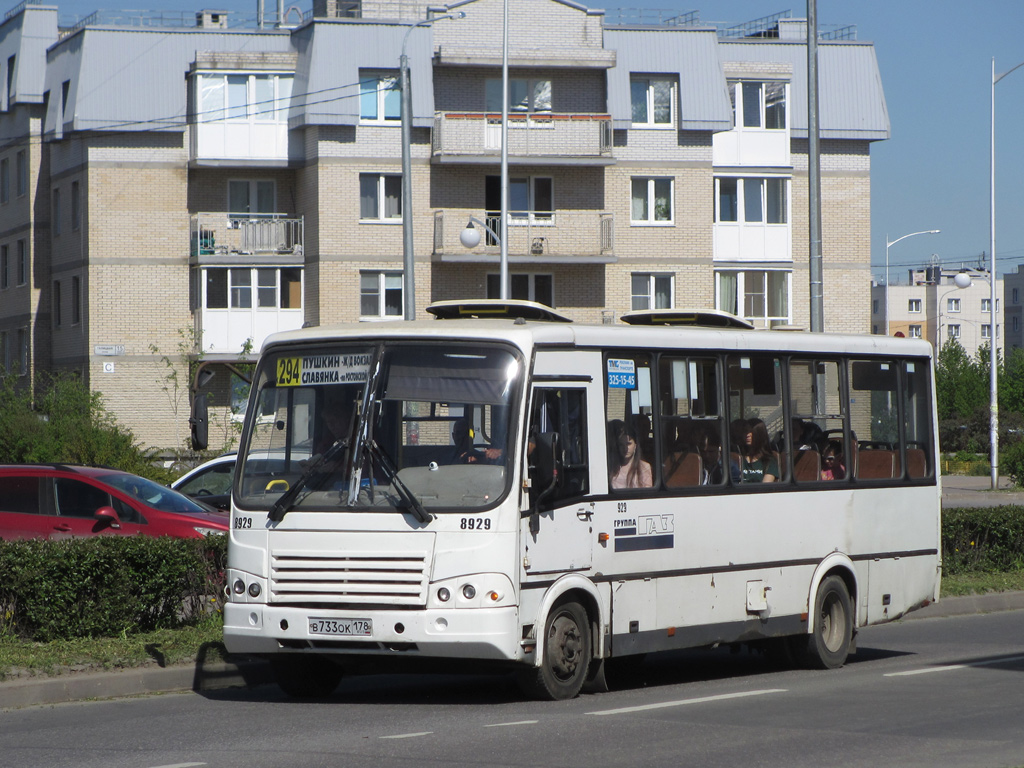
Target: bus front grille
x=342, y=578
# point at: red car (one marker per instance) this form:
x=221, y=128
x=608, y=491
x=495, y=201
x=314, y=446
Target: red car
x=57, y=501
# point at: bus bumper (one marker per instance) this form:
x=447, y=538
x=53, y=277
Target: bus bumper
x=468, y=633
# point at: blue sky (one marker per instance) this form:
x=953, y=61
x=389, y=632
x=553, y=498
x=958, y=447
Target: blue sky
x=935, y=59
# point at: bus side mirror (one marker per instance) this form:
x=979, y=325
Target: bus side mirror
x=199, y=424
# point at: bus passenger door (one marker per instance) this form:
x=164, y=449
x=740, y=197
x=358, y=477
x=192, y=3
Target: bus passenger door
x=559, y=536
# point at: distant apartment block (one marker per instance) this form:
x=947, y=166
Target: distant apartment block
x=172, y=193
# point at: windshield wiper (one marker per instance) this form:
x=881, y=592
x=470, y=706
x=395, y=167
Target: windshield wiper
x=287, y=501
x=407, y=496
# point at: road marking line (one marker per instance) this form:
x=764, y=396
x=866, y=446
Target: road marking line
x=180, y=765
x=950, y=667
x=682, y=702
x=505, y=725
x=408, y=735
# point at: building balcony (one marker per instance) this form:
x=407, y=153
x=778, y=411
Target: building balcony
x=533, y=237
x=223, y=237
x=551, y=138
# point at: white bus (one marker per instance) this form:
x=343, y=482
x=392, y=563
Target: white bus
x=501, y=484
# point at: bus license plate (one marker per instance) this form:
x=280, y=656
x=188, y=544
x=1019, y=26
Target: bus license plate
x=341, y=627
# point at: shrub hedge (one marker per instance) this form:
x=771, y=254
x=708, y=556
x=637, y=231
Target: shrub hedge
x=108, y=586
x=111, y=586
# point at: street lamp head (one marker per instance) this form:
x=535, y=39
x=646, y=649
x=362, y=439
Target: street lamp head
x=470, y=236
x=962, y=280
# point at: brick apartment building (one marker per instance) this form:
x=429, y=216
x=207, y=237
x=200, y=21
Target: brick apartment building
x=211, y=182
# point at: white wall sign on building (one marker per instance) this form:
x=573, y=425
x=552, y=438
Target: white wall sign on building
x=108, y=349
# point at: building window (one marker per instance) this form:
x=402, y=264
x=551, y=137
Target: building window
x=23, y=351
x=986, y=331
x=528, y=198
x=5, y=181
x=528, y=287
x=1016, y=296
x=953, y=331
x=952, y=305
x=1016, y=323
x=752, y=200
x=5, y=267
x=874, y=329
x=56, y=304
x=76, y=300
x=915, y=331
x=651, y=201
x=758, y=105
x=251, y=198
x=652, y=99
x=55, y=213
x=914, y=305
x=651, y=291
x=21, y=160
x=380, y=197
x=10, y=82
x=380, y=97
x=232, y=288
x=755, y=294
x=524, y=96
x=22, y=262
x=243, y=97
x=874, y=306
x=76, y=206
x=380, y=294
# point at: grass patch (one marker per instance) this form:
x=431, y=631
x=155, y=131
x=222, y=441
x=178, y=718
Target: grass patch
x=981, y=583
x=165, y=647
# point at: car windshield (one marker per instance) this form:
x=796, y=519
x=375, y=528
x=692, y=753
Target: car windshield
x=153, y=494
x=438, y=440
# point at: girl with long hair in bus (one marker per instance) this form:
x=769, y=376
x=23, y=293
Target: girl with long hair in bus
x=628, y=469
x=757, y=460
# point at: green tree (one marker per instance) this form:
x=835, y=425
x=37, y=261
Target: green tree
x=961, y=384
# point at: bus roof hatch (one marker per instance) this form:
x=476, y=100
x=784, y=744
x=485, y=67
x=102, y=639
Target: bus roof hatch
x=707, y=318
x=502, y=308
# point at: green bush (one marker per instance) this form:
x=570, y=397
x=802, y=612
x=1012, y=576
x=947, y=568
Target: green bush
x=107, y=586
x=983, y=540
x=1011, y=462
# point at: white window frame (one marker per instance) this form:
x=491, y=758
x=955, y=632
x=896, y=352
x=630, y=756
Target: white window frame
x=953, y=331
x=381, y=182
x=375, y=284
x=650, y=284
x=915, y=331
x=382, y=84
x=649, y=200
x=744, y=185
x=218, y=97
x=737, y=96
x=740, y=276
x=649, y=84
x=914, y=306
x=986, y=330
x=516, y=282
x=953, y=304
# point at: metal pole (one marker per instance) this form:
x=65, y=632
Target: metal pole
x=503, y=227
x=817, y=308
x=408, y=254
x=887, y=244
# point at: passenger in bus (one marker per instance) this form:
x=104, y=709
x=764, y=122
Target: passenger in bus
x=757, y=460
x=627, y=468
x=832, y=466
x=709, y=446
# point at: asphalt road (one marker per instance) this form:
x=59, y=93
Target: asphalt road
x=936, y=692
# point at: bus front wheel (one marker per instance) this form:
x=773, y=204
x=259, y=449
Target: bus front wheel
x=567, y=655
x=306, y=677
x=828, y=644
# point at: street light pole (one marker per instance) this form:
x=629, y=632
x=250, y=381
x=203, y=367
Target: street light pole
x=503, y=226
x=993, y=422
x=408, y=255
x=889, y=243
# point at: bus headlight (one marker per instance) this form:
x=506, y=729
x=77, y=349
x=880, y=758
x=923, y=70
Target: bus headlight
x=468, y=591
x=254, y=590
x=444, y=595
x=238, y=587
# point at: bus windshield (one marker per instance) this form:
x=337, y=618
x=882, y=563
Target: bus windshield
x=418, y=427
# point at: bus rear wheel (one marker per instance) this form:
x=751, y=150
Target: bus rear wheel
x=306, y=677
x=828, y=644
x=566, y=655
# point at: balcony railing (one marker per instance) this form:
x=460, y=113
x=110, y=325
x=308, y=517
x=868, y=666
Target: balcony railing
x=548, y=135
x=557, y=234
x=225, y=234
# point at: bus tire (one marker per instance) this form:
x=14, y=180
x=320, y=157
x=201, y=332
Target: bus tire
x=567, y=655
x=306, y=677
x=828, y=644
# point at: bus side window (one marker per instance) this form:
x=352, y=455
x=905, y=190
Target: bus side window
x=560, y=412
